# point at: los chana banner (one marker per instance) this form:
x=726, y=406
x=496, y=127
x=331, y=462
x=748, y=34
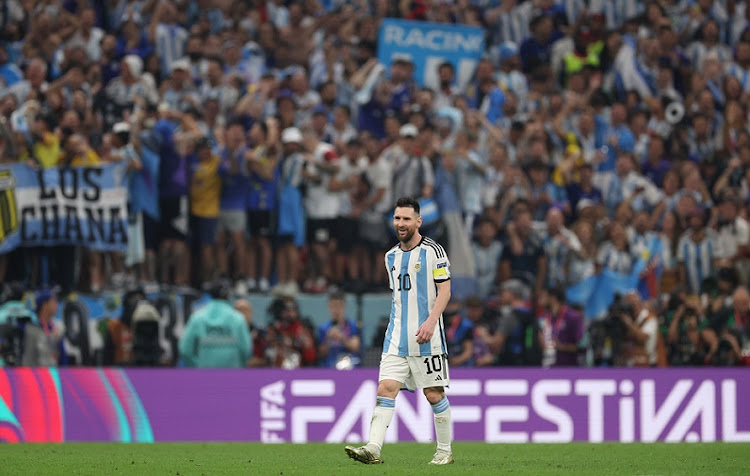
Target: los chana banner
x=65, y=206
x=272, y=405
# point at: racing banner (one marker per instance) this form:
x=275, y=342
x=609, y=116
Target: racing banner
x=427, y=45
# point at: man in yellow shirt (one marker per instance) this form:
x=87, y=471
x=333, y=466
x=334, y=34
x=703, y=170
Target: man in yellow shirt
x=205, y=190
x=46, y=146
x=78, y=153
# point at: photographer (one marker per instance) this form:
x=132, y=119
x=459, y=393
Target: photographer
x=639, y=348
x=730, y=331
x=685, y=339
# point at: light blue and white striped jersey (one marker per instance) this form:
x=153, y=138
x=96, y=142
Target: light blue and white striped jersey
x=609, y=257
x=413, y=276
x=170, y=45
x=698, y=258
x=742, y=75
x=514, y=25
x=617, y=11
x=573, y=9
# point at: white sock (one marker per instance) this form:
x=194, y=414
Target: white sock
x=381, y=419
x=442, y=415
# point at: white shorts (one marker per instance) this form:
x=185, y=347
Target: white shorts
x=415, y=372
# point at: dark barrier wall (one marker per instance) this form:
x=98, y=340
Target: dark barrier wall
x=498, y=405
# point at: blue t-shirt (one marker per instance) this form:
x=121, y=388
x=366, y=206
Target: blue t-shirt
x=233, y=186
x=173, y=180
x=457, y=333
x=372, y=118
x=336, y=350
x=262, y=193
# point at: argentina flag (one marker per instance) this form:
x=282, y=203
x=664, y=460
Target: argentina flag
x=67, y=206
x=596, y=293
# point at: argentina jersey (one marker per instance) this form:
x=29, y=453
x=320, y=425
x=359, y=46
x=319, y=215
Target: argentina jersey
x=413, y=276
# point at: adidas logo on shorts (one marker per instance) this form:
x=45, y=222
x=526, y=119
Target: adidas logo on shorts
x=438, y=378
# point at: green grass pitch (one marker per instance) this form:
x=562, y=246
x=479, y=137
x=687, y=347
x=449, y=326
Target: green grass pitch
x=400, y=459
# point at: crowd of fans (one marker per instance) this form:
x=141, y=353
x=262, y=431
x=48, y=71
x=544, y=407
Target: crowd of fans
x=591, y=136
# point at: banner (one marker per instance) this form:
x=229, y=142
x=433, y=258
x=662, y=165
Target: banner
x=428, y=45
x=274, y=406
x=67, y=206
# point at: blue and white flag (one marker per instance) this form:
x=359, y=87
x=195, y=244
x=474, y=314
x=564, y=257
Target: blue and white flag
x=596, y=293
x=428, y=45
x=70, y=206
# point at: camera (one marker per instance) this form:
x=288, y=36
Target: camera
x=608, y=334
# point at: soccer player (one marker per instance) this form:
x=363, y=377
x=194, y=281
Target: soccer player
x=414, y=350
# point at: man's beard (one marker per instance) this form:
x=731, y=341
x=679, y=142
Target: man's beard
x=408, y=236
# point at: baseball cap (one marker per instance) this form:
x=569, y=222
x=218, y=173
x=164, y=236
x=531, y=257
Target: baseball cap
x=584, y=203
x=402, y=58
x=121, y=127
x=285, y=94
x=135, y=64
x=507, y=50
x=291, y=135
x=181, y=63
x=320, y=110
x=408, y=130
x=516, y=288
x=43, y=296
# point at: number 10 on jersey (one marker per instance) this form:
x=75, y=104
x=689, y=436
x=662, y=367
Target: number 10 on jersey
x=404, y=282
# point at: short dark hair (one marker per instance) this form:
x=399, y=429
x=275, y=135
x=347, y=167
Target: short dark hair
x=337, y=296
x=346, y=109
x=446, y=64
x=408, y=202
x=558, y=292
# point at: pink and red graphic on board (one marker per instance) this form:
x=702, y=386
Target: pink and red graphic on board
x=47, y=405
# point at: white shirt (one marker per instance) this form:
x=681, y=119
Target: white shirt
x=651, y=327
x=347, y=170
x=731, y=237
x=379, y=175
x=92, y=45
x=471, y=182
x=487, y=260
x=320, y=202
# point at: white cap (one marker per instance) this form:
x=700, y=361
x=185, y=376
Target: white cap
x=408, y=130
x=135, y=64
x=181, y=63
x=406, y=57
x=121, y=127
x=584, y=203
x=291, y=135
